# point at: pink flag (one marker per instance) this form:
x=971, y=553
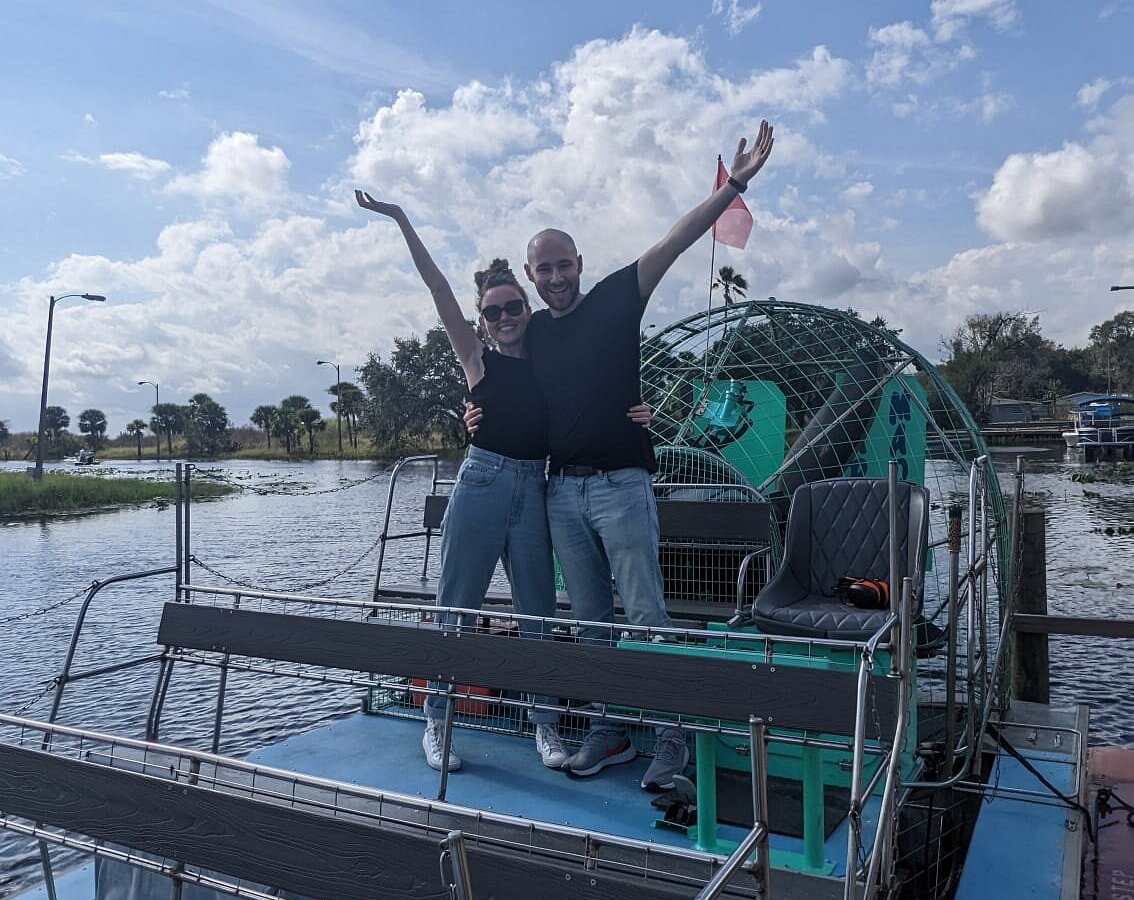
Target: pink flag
x=735, y=223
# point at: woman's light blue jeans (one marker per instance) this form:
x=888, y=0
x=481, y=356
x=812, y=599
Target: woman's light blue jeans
x=497, y=511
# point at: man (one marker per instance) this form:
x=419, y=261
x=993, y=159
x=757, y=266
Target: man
x=600, y=505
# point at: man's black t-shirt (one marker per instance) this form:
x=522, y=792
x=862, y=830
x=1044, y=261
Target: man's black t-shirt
x=586, y=365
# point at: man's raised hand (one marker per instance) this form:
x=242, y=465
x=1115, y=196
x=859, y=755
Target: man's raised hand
x=747, y=163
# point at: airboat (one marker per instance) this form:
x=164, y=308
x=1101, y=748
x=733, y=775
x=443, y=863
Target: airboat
x=841, y=750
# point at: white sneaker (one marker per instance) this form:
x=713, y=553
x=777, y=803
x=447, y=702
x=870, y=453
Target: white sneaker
x=549, y=746
x=432, y=743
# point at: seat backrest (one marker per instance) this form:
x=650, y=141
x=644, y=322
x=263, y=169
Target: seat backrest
x=840, y=526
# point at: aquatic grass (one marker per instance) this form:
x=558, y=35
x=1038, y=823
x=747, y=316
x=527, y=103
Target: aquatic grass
x=59, y=492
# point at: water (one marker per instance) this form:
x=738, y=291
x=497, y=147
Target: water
x=283, y=532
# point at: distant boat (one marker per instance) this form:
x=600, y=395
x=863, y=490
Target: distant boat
x=1103, y=427
x=86, y=458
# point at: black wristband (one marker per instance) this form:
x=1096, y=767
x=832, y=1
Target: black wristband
x=736, y=185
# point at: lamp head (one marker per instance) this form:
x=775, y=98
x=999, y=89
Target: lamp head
x=99, y=297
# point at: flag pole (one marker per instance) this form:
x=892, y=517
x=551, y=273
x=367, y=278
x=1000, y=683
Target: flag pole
x=700, y=408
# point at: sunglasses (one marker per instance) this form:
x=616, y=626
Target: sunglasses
x=492, y=312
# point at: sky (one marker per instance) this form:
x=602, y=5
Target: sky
x=194, y=162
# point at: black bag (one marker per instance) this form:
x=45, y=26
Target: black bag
x=864, y=593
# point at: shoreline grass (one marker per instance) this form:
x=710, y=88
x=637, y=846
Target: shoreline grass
x=60, y=493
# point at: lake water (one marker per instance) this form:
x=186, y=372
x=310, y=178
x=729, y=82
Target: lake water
x=296, y=524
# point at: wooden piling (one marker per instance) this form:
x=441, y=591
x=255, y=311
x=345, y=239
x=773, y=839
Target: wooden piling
x=1030, y=675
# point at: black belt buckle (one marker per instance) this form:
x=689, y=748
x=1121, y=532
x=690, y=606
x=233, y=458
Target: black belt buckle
x=580, y=471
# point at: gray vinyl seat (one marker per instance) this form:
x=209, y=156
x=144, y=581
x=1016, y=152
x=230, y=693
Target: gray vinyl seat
x=839, y=527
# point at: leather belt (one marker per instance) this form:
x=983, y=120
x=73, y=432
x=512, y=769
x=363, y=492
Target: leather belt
x=581, y=471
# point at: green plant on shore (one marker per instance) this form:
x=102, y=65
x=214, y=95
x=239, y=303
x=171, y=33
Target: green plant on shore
x=60, y=492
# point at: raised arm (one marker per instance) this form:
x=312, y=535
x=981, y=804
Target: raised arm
x=655, y=262
x=466, y=344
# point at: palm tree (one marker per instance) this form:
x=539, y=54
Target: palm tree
x=170, y=418
x=730, y=282
x=312, y=421
x=55, y=422
x=136, y=428
x=93, y=422
x=352, y=401
x=265, y=416
x=5, y=434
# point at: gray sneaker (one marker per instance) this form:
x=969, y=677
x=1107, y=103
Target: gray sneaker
x=671, y=756
x=433, y=744
x=601, y=748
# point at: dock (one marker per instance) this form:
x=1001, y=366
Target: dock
x=1016, y=433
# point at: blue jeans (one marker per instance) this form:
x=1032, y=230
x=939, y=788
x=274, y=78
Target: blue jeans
x=603, y=525
x=607, y=524
x=497, y=511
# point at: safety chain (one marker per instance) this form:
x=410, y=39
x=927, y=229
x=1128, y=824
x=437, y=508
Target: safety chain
x=297, y=588
x=50, y=686
x=43, y=610
x=263, y=492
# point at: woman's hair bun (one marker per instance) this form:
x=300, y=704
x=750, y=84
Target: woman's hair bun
x=497, y=273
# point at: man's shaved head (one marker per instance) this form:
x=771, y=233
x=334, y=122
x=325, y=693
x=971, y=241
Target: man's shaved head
x=551, y=234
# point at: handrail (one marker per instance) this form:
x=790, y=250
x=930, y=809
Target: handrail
x=385, y=536
x=64, y=676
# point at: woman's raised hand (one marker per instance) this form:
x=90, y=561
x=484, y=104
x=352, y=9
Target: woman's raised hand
x=386, y=209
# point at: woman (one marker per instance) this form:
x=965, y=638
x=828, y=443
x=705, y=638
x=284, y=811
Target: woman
x=497, y=508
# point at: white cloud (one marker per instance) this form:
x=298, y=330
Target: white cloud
x=857, y=193
x=181, y=93
x=314, y=33
x=1073, y=191
x=136, y=164
x=735, y=15
x=951, y=17
x=90, y=121
x=903, y=52
x=236, y=167
x=10, y=168
x=614, y=143
x=1088, y=95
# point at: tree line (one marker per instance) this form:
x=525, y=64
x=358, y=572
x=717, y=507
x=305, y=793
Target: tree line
x=413, y=400
x=1004, y=354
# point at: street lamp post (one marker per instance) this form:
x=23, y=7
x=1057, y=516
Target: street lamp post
x=157, y=402
x=38, y=473
x=338, y=399
x=1122, y=287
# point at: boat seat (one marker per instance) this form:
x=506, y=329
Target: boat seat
x=840, y=527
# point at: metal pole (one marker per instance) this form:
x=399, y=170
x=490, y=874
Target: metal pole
x=157, y=403
x=38, y=474
x=339, y=406
x=758, y=741
x=951, y=638
x=895, y=562
x=453, y=849
x=338, y=398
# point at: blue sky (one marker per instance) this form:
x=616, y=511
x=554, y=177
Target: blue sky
x=194, y=162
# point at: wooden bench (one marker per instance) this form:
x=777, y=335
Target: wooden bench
x=701, y=548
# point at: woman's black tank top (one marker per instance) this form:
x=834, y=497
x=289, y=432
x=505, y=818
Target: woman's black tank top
x=515, y=416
